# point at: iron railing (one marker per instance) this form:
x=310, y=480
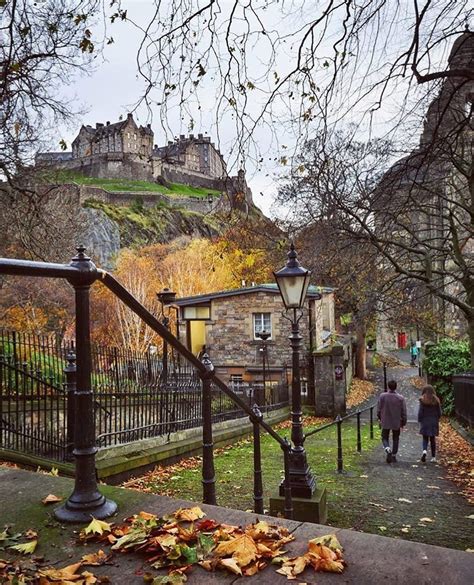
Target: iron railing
x=338, y=424
x=132, y=400
x=86, y=498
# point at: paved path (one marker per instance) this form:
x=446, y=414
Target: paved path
x=391, y=499
x=371, y=559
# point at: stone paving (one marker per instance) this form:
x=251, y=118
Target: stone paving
x=392, y=499
x=371, y=559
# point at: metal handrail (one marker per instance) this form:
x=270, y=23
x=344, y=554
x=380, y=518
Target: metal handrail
x=339, y=418
x=82, y=273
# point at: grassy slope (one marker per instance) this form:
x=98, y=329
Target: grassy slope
x=234, y=472
x=132, y=185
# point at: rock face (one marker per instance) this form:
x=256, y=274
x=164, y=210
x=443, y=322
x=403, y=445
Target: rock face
x=102, y=236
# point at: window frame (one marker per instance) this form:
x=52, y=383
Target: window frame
x=261, y=316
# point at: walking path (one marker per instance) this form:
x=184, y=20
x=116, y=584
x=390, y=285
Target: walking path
x=409, y=499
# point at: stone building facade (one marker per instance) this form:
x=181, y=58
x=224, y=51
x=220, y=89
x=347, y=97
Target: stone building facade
x=193, y=153
x=422, y=191
x=226, y=323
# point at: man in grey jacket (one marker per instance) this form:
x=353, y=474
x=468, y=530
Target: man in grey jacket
x=392, y=414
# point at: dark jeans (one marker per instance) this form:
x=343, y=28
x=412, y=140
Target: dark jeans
x=395, y=439
x=432, y=443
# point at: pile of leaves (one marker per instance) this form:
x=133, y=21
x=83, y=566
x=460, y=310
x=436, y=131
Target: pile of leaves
x=457, y=455
x=390, y=360
x=359, y=391
x=308, y=421
x=184, y=539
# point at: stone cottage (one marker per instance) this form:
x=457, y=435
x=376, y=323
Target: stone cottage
x=227, y=325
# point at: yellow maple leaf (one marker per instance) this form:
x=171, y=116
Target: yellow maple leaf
x=97, y=527
x=89, y=578
x=331, y=566
x=189, y=514
x=242, y=548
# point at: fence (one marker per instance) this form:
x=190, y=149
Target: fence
x=338, y=424
x=133, y=399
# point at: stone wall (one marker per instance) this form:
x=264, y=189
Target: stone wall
x=332, y=376
x=111, y=166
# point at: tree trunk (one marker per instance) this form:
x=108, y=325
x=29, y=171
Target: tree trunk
x=361, y=353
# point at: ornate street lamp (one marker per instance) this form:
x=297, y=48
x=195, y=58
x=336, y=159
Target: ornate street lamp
x=165, y=297
x=293, y=282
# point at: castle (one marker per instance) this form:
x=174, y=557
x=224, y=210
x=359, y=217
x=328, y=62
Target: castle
x=124, y=150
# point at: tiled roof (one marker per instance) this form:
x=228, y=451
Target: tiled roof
x=314, y=292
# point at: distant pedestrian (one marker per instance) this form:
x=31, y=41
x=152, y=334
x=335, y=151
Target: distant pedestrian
x=429, y=413
x=392, y=414
x=413, y=354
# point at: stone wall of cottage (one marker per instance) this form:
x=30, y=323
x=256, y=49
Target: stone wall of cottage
x=229, y=334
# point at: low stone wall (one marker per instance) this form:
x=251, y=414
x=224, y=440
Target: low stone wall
x=120, y=462
x=110, y=166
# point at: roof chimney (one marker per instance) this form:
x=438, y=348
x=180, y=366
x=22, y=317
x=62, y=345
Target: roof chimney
x=170, y=142
x=243, y=283
x=155, y=146
x=181, y=136
x=191, y=136
x=200, y=136
x=108, y=122
x=148, y=126
x=129, y=116
x=99, y=125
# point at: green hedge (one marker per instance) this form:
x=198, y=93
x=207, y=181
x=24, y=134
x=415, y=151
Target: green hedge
x=444, y=359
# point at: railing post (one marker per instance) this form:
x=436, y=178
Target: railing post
x=359, y=442
x=385, y=376
x=372, y=422
x=286, y=482
x=340, y=462
x=86, y=500
x=70, y=386
x=257, y=462
x=208, y=473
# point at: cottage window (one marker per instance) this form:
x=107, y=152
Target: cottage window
x=262, y=321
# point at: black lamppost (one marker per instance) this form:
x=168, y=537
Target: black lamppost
x=165, y=297
x=264, y=336
x=293, y=282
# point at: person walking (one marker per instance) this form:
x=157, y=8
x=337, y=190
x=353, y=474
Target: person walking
x=392, y=414
x=429, y=413
x=413, y=354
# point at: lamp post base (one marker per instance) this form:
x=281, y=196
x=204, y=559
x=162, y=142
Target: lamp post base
x=312, y=509
x=302, y=481
x=80, y=512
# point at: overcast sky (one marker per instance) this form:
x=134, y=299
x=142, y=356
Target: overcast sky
x=114, y=88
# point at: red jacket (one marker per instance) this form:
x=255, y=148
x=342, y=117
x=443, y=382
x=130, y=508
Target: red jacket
x=392, y=410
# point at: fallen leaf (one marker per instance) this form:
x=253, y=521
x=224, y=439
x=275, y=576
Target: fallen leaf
x=98, y=558
x=405, y=500
x=405, y=529
x=382, y=528
x=426, y=520
x=330, y=540
x=26, y=548
x=189, y=514
x=242, y=548
x=66, y=574
x=231, y=565
x=433, y=487
x=97, y=527
x=51, y=499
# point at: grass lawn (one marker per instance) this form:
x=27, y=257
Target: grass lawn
x=132, y=185
x=234, y=471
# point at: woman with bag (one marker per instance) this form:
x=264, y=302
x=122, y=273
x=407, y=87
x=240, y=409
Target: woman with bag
x=429, y=413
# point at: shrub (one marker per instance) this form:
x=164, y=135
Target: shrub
x=446, y=358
